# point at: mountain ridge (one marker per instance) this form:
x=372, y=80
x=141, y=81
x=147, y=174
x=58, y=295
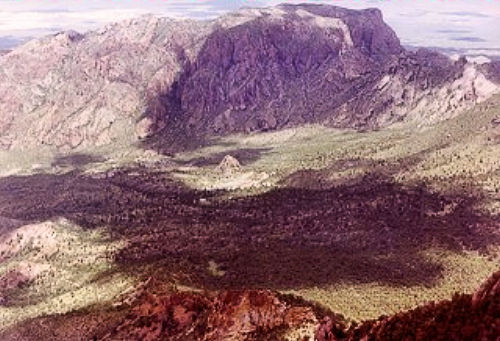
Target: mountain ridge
x=174, y=81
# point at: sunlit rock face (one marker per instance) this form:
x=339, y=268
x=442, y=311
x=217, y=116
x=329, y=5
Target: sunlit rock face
x=72, y=90
x=231, y=315
x=251, y=70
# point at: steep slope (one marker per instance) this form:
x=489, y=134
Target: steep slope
x=249, y=70
x=318, y=64
x=492, y=70
x=72, y=90
x=291, y=68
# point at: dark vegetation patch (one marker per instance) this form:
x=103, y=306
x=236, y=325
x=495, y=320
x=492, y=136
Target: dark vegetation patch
x=76, y=160
x=370, y=230
x=84, y=324
x=322, y=178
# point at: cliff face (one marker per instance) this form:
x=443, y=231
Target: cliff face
x=318, y=64
x=249, y=70
x=290, y=67
x=492, y=70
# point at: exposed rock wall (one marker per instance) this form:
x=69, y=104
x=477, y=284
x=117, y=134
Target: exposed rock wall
x=254, y=69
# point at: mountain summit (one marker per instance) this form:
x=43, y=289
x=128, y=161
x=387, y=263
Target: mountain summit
x=164, y=80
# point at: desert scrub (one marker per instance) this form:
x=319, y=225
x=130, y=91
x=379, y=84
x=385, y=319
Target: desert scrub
x=463, y=273
x=57, y=263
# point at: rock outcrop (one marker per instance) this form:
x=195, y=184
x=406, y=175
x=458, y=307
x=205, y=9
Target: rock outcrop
x=231, y=315
x=169, y=82
x=267, y=315
x=71, y=90
x=492, y=70
x=228, y=165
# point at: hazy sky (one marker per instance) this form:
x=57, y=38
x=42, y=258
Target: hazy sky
x=444, y=23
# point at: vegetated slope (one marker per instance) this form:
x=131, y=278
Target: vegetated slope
x=249, y=70
x=268, y=315
x=288, y=238
x=465, y=317
x=394, y=246
x=264, y=315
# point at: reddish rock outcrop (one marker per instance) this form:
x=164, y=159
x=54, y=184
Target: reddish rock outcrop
x=267, y=315
x=231, y=315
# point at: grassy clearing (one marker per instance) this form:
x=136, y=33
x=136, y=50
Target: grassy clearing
x=25, y=162
x=88, y=161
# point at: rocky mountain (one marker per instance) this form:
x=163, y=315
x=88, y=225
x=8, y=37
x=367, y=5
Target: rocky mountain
x=492, y=70
x=171, y=80
x=72, y=90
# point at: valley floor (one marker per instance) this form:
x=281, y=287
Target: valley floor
x=362, y=223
